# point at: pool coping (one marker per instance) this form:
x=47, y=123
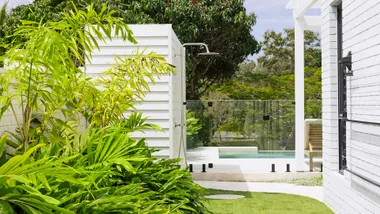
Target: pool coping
x=254, y=177
x=205, y=155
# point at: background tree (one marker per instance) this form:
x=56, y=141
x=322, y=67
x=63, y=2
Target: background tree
x=222, y=24
x=259, y=85
x=272, y=76
x=279, y=50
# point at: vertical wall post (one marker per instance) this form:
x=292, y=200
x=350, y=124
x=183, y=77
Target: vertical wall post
x=299, y=94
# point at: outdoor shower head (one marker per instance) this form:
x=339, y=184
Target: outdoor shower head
x=207, y=53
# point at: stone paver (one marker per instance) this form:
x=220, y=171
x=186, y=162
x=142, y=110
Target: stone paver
x=224, y=196
x=315, y=192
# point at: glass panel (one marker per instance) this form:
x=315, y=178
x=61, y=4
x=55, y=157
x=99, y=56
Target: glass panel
x=268, y=125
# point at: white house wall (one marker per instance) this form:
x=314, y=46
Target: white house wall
x=178, y=141
x=159, y=104
x=8, y=121
x=361, y=34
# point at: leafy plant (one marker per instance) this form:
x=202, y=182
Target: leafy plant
x=224, y=25
x=56, y=164
x=109, y=172
x=192, y=123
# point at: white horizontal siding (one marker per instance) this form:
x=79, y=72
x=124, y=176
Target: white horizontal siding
x=361, y=36
x=156, y=105
x=152, y=134
x=142, y=41
x=148, y=106
x=155, y=114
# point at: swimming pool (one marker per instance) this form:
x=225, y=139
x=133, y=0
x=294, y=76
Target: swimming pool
x=260, y=155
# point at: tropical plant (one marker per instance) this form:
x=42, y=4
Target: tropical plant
x=108, y=172
x=54, y=163
x=44, y=68
x=3, y=13
x=222, y=24
x=192, y=123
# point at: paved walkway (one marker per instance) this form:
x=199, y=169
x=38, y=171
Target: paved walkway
x=312, y=192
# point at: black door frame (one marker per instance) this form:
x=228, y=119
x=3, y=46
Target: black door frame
x=342, y=94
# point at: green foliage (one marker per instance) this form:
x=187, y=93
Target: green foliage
x=272, y=76
x=254, y=85
x=3, y=13
x=108, y=172
x=44, y=68
x=192, y=123
x=53, y=164
x=279, y=50
x=222, y=24
x=203, y=137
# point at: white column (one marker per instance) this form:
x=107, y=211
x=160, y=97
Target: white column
x=299, y=93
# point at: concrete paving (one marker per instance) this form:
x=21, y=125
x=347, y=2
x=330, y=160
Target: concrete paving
x=315, y=192
x=224, y=196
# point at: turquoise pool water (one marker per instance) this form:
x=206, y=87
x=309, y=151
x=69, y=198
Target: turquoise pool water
x=261, y=155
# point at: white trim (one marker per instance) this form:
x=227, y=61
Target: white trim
x=312, y=23
x=171, y=119
x=304, y=7
x=299, y=94
x=302, y=23
x=293, y=4
x=183, y=88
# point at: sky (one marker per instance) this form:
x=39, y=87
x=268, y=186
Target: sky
x=271, y=15
x=13, y=3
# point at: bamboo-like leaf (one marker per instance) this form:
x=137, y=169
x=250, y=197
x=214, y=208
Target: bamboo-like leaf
x=6, y=208
x=3, y=140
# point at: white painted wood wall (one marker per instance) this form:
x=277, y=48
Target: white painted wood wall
x=163, y=104
x=8, y=121
x=361, y=35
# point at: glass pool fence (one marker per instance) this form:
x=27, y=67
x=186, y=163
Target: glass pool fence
x=268, y=125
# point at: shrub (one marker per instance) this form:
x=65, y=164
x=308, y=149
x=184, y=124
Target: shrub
x=51, y=164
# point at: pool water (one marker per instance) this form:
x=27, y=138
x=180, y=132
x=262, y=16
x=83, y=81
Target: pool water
x=261, y=155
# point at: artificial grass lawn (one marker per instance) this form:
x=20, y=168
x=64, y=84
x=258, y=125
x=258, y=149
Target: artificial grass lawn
x=266, y=203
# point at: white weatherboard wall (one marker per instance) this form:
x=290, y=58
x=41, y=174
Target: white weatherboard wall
x=8, y=121
x=361, y=34
x=163, y=105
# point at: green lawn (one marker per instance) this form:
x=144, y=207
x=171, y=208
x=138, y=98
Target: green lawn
x=268, y=203
x=316, y=181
